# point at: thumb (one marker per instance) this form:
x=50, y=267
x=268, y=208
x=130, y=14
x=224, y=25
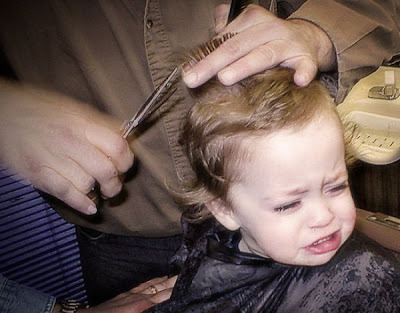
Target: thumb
x=305, y=71
x=221, y=17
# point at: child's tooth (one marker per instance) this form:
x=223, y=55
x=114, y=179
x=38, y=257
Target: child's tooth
x=322, y=240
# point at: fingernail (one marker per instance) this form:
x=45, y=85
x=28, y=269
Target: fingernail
x=92, y=209
x=190, y=79
x=186, y=68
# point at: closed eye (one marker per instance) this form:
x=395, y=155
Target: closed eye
x=289, y=206
x=338, y=189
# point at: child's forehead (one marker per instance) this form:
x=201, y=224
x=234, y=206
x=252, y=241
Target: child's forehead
x=271, y=167
x=316, y=127
x=273, y=146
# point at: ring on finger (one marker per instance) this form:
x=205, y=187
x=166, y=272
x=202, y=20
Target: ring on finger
x=153, y=290
x=94, y=193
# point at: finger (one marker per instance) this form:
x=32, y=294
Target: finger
x=157, y=297
x=220, y=17
x=109, y=179
x=260, y=59
x=208, y=67
x=112, y=145
x=56, y=185
x=101, y=168
x=270, y=55
x=74, y=173
x=160, y=286
x=162, y=296
x=254, y=27
x=229, y=52
x=144, y=286
x=169, y=283
x=98, y=165
x=305, y=69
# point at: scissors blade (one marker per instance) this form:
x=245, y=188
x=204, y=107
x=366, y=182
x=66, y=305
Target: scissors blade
x=150, y=105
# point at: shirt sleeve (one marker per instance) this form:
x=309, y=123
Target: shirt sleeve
x=365, y=34
x=15, y=298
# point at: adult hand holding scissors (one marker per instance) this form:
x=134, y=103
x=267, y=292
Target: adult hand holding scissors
x=61, y=146
x=93, y=153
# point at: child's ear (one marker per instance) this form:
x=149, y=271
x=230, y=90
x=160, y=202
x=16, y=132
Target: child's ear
x=223, y=213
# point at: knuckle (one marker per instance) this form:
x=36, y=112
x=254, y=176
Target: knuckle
x=34, y=167
x=64, y=131
x=281, y=27
x=258, y=14
x=108, y=171
x=122, y=153
x=253, y=12
x=233, y=46
x=44, y=179
x=266, y=54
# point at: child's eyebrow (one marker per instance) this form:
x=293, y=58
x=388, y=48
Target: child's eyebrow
x=290, y=192
x=301, y=190
x=297, y=191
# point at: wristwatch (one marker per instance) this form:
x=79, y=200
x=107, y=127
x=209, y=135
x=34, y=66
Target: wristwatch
x=71, y=306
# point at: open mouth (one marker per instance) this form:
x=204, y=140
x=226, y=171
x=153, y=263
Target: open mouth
x=322, y=240
x=326, y=244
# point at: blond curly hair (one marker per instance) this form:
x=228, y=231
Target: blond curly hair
x=215, y=131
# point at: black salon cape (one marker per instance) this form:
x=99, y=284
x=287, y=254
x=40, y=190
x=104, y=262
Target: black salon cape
x=216, y=277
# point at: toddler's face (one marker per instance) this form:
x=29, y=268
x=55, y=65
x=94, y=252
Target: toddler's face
x=294, y=203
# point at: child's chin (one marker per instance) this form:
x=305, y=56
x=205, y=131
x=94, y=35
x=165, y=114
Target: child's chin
x=318, y=260
x=313, y=260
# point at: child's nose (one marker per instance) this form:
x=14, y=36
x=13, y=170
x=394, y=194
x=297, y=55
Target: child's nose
x=321, y=214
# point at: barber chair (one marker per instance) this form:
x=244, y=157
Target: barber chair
x=371, y=113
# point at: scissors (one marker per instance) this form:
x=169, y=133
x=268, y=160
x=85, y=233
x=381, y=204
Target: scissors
x=153, y=102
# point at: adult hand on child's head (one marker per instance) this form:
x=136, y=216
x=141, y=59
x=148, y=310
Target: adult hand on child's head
x=264, y=41
x=139, y=298
x=61, y=146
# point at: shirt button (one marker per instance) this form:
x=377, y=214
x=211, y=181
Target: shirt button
x=149, y=24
